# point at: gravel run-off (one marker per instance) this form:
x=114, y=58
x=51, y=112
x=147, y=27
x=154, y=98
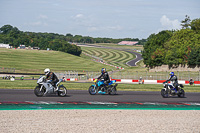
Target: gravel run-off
x=101, y=121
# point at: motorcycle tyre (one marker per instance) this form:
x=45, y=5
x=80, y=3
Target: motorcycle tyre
x=112, y=91
x=37, y=90
x=60, y=93
x=92, y=90
x=182, y=93
x=164, y=93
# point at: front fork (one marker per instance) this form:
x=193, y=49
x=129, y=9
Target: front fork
x=41, y=87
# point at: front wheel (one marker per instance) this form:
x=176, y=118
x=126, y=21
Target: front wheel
x=112, y=91
x=164, y=93
x=38, y=92
x=181, y=93
x=92, y=90
x=62, y=91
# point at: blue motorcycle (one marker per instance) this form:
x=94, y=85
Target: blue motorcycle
x=100, y=88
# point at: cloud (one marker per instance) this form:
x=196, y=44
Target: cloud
x=82, y=20
x=168, y=24
x=104, y=28
x=115, y=27
x=91, y=24
x=42, y=16
x=79, y=16
x=37, y=23
x=92, y=29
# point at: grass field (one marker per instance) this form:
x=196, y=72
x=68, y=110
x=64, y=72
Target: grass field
x=34, y=61
x=30, y=84
x=113, y=57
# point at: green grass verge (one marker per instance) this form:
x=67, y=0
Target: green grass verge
x=30, y=84
x=34, y=61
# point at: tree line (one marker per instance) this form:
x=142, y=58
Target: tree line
x=175, y=47
x=13, y=36
x=87, y=39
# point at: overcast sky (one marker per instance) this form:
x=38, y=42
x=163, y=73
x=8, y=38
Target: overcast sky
x=98, y=18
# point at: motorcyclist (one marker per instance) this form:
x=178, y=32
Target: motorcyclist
x=141, y=81
x=104, y=75
x=51, y=77
x=191, y=82
x=173, y=78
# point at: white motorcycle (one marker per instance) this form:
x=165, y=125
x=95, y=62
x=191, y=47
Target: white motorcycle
x=170, y=90
x=45, y=87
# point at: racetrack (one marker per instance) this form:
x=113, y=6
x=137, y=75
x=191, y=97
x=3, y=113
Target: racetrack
x=21, y=95
x=136, y=60
x=39, y=117
x=130, y=63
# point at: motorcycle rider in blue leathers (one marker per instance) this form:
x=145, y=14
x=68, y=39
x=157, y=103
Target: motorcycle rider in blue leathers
x=104, y=75
x=173, y=78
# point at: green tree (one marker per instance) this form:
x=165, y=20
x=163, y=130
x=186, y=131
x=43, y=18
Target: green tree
x=155, y=49
x=186, y=23
x=195, y=25
x=6, y=29
x=192, y=58
x=181, y=43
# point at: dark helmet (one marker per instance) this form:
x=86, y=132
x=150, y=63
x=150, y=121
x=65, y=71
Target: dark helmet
x=103, y=70
x=171, y=74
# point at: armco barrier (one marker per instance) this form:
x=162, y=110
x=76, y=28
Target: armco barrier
x=149, y=81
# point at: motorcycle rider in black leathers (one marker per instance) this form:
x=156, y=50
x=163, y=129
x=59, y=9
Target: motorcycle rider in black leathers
x=51, y=77
x=104, y=75
x=173, y=78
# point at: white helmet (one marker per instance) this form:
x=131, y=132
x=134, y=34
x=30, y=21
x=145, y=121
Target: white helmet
x=46, y=71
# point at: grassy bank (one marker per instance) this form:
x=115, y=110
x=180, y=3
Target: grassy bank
x=30, y=84
x=34, y=61
x=113, y=57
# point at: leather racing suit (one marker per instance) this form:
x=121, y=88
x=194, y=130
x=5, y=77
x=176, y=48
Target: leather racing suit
x=174, y=81
x=106, y=78
x=53, y=78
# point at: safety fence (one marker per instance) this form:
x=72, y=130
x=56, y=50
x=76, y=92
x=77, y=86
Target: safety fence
x=7, y=70
x=136, y=75
x=72, y=75
x=131, y=77
x=133, y=81
x=145, y=75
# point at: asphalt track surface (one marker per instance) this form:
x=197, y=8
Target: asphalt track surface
x=134, y=61
x=16, y=95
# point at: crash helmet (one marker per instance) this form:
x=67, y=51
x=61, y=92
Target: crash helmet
x=103, y=70
x=47, y=71
x=171, y=74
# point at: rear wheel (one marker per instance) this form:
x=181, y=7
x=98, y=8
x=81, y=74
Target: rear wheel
x=62, y=91
x=38, y=92
x=182, y=93
x=92, y=90
x=164, y=93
